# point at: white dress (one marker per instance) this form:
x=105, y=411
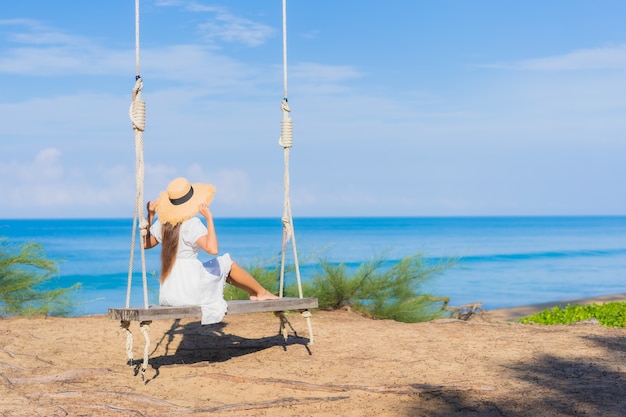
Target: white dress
x=192, y=282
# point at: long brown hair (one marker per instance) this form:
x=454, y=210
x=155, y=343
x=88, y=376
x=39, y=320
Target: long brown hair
x=169, y=249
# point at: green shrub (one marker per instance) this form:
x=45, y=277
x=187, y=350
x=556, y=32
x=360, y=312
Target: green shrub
x=371, y=288
x=609, y=314
x=24, y=274
x=265, y=273
x=378, y=292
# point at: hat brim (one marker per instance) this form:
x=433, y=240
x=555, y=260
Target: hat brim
x=175, y=214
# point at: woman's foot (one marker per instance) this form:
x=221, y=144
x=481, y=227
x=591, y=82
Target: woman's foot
x=264, y=296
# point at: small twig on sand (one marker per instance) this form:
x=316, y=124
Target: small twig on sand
x=285, y=383
x=393, y=389
x=62, y=376
x=256, y=406
x=11, y=366
x=8, y=352
x=13, y=354
x=125, y=411
x=137, y=398
x=6, y=380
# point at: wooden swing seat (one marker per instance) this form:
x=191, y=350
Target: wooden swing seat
x=158, y=312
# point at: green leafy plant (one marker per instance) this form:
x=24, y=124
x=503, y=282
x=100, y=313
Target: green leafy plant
x=609, y=314
x=381, y=292
x=372, y=288
x=25, y=275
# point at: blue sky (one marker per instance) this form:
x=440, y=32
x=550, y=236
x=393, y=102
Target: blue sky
x=401, y=108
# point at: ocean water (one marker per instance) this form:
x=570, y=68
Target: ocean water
x=503, y=261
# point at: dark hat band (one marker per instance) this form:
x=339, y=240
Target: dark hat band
x=183, y=199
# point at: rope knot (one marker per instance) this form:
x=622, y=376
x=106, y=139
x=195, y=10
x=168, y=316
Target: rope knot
x=284, y=106
x=286, y=136
x=286, y=127
x=143, y=227
x=137, y=110
x=287, y=231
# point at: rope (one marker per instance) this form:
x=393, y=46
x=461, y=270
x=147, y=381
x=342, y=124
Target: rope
x=286, y=126
x=145, y=326
x=286, y=141
x=137, y=37
x=129, y=340
x=307, y=315
x=285, y=49
x=137, y=115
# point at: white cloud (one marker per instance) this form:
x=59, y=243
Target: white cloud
x=31, y=31
x=317, y=72
x=47, y=186
x=225, y=26
x=607, y=58
x=357, y=137
x=169, y=3
x=66, y=118
x=197, y=65
x=229, y=28
x=45, y=51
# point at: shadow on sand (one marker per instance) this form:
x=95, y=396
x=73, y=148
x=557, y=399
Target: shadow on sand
x=586, y=387
x=211, y=343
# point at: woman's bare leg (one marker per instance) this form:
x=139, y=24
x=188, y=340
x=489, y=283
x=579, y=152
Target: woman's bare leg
x=240, y=278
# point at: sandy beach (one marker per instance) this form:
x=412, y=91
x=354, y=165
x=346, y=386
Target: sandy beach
x=486, y=366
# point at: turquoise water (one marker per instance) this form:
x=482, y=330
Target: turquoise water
x=504, y=261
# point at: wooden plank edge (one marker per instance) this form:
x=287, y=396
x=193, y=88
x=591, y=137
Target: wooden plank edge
x=284, y=304
x=157, y=312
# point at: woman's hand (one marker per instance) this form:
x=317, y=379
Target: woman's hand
x=151, y=207
x=204, y=210
x=208, y=242
x=149, y=240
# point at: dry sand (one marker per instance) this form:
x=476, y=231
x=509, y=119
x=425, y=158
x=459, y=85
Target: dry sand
x=487, y=366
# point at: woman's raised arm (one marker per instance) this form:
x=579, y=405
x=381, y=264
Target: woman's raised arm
x=208, y=242
x=150, y=241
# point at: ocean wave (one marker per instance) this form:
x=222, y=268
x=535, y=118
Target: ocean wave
x=570, y=254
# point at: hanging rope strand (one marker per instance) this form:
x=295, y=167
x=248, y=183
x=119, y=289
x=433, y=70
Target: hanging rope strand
x=286, y=141
x=285, y=49
x=137, y=115
x=136, y=38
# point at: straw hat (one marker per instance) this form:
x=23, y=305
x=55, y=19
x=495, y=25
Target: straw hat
x=181, y=199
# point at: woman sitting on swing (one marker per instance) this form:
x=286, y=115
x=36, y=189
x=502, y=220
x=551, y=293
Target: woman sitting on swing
x=185, y=280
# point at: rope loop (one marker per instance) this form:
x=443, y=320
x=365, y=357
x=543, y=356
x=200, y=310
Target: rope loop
x=143, y=227
x=286, y=136
x=287, y=230
x=144, y=326
x=138, y=107
x=129, y=340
